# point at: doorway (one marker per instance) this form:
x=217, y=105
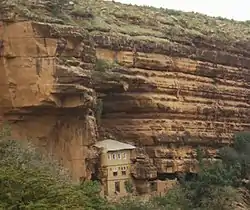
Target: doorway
x=117, y=187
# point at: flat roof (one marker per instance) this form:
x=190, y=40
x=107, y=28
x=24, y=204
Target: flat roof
x=112, y=145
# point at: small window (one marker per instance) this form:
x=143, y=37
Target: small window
x=114, y=156
x=124, y=173
x=119, y=156
x=115, y=173
x=109, y=156
x=124, y=156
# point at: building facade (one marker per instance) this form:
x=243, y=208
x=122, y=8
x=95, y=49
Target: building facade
x=115, y=166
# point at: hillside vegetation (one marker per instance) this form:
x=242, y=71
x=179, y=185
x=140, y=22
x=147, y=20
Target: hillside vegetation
x=28, y=180
x=141, y=22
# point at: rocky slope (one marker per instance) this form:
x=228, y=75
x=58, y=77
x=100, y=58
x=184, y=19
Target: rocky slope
x=164, y=80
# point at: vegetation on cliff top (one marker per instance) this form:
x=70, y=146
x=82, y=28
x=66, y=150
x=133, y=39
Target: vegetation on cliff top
x=28, y=180
x=140, y=22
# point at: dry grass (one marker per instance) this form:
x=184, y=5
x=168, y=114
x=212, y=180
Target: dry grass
x=161, y=24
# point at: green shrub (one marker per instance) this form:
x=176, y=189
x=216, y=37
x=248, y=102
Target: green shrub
x=28, y=180
x=216, y=185
x=104, y=65
x=82, y=12
x=129, y=186
x=174, y=199
x=135, y=204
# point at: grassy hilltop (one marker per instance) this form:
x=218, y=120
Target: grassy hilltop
x=140, y=22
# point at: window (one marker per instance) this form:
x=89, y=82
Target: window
x=115, y=172
x=124, y=173
x=114, y=156
x=119, y=156
x=124, y=156
x=109, y=156
x=117, y=186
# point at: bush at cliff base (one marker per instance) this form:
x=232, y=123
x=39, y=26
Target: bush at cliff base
x=30, y=181
x=216, y=187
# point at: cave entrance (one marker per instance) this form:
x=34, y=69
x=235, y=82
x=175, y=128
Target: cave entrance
x=166, y=176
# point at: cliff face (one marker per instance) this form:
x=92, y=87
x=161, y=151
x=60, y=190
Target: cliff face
x=174, y=104
x=42, y=97
x=164, y=84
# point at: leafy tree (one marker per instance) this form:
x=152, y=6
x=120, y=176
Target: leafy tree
x=216, y=185
x=175, y=199
x=29, y=180
x=242, y=147
x=129, y=203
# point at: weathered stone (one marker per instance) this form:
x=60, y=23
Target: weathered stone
x=168, y=93
x=143, y=169
x=42, y=99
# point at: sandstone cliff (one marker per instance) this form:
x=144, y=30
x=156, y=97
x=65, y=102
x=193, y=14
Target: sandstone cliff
x=164, y=80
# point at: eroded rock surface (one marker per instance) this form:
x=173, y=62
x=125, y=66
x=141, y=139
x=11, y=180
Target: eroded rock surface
x=44, y=98
x=165, y=92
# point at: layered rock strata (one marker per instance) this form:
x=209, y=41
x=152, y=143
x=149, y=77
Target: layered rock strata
x=169, y=87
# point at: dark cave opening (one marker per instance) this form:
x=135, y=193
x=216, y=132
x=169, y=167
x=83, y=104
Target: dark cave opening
x=166, y=176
